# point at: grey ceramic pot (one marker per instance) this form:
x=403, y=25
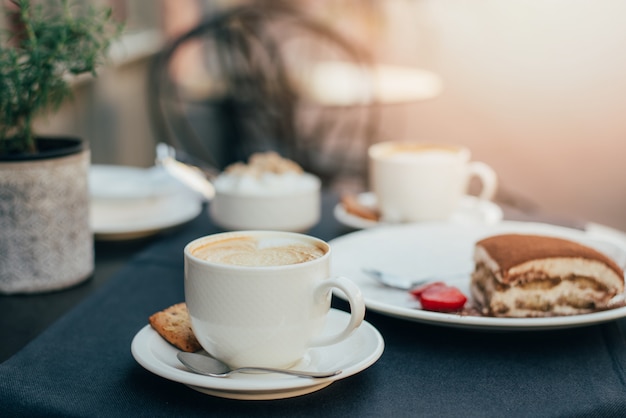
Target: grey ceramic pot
x=45, y=238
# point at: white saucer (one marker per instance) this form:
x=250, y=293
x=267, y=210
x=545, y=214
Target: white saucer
x=471, y=210
x=118, y=182
x=352, y=355
x=444, y=251
x=133, y=202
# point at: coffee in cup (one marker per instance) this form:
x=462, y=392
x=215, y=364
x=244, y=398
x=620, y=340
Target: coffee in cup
x=258, y=252
x=260, y=298
x=415, y=181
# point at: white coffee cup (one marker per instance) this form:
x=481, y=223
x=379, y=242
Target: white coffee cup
x=415, y=181
x=252, y=305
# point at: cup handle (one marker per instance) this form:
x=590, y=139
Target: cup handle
x=357, y=309
x=487, y=177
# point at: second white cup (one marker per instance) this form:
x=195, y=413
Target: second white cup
x=416, y=181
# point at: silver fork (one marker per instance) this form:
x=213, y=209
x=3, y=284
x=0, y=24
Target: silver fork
x=407, y=283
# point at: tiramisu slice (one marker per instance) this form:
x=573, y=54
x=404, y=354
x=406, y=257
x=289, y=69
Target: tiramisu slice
x=535, y=276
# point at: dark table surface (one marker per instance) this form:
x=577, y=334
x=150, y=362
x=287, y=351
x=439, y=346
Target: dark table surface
x=67, y=353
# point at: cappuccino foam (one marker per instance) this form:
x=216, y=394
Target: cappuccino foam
x=418, y=153
x=253, y=252
x=425, y=157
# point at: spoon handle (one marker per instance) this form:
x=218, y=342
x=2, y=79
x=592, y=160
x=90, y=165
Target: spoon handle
x=299, y=373
x=209, y=366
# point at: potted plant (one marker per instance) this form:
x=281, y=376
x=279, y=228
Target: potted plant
x=45, y=238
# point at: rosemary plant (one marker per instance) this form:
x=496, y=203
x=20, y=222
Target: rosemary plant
x=47, y=42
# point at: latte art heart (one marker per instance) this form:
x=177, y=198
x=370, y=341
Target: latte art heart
x=251, y=252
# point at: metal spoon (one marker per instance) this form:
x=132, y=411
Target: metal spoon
x=406, y=283
x=192, y=176
x=209, y=366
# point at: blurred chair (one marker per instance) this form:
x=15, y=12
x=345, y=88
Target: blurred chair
x=253, y=84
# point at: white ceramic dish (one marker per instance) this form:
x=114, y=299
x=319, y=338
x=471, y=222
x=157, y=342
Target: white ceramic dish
x=442, y=251
x=146, y=203
x=352, y=355
x=471, y=210
x=295, y=211
x=142, y=218
x=116, y=182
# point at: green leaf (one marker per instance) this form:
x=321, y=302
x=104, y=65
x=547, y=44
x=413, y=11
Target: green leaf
x=57, y=37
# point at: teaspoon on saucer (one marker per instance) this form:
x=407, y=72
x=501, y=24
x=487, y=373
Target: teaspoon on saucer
x=209, y=366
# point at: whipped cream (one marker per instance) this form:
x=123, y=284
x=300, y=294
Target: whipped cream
x=266, y=173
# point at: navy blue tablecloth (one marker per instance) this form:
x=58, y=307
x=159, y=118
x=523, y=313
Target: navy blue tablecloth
x=82, y=364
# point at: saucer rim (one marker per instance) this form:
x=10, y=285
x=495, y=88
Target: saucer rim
x=354, y=221
x=276, y=387
x=155, y=221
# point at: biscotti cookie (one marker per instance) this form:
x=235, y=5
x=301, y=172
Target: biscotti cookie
x=174, y=325
x=352, y=205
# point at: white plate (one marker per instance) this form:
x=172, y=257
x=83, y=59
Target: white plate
x=128, y=183
x=132, y=202
x=470, y=210
x=443, y=250
x=352, y=355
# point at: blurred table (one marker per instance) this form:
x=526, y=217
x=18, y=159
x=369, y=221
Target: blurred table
x=29, y=315
x=79, y=362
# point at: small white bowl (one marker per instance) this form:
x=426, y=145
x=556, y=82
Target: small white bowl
x=295, y=211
